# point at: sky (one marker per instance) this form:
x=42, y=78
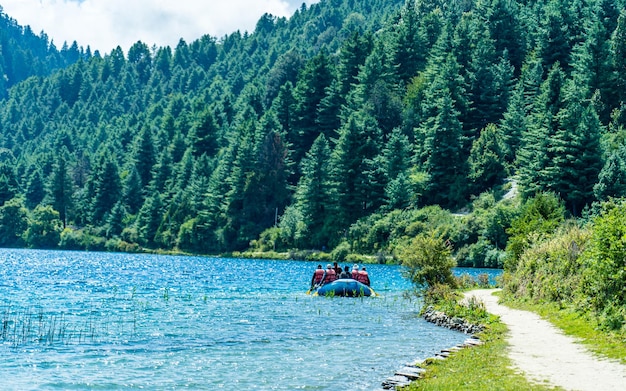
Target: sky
x=104, y=24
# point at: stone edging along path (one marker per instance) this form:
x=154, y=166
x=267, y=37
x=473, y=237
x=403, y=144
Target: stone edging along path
x=414, y=371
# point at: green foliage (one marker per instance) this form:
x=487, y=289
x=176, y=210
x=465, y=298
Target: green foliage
x=13, y=222
x=604, y=280
x=44, y=228
x=350, y=120
x=550, y=270
x=539, y=218
x=340, y=253
x=427, y=261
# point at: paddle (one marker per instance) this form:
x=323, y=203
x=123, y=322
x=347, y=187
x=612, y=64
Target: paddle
x=315, y=286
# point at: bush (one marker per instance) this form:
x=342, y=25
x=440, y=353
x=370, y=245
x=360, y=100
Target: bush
x=605, y=262
x=550, y=271
x=340, y=253
x=44, y=228
x=428, y=262
x=540, y=217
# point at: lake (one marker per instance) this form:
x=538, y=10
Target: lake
x=78, y=320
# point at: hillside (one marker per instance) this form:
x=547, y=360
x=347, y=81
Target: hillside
x=24, y=54
x=340, y=123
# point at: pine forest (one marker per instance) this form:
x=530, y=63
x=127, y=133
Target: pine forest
x=350, y=127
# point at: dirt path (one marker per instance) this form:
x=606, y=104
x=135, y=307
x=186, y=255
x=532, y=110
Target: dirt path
x=545, y=354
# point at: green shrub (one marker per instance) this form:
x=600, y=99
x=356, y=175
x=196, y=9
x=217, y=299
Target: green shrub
x=427, y=261
x=604, y=280
x=539, y=218
x=550, y=270
x=340, y=253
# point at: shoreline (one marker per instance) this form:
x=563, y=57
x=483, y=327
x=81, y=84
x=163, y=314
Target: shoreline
x=415, y=371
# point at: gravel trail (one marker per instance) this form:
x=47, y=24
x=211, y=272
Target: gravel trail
x=546, y=355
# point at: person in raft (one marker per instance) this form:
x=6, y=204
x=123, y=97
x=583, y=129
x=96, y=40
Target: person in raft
x=363, y=277
x=318, y=277
x=330, y=274
x=355, y=272
x=346, y=273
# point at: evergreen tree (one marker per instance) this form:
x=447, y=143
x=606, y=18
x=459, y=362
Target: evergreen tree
x=149, y=219
x=145, y=156
x=358, y=142
x=486, y=168
x=59, y=189
x=311, y=88
x=377, y=90
x=313, y=193
x=618, y=52
x=115, y=220
x=612, y=177
x=132, y=191
x=444, y=162
x=35, y=189
x=409, y=46
x=513, y=124
x=575, y=152
x=107, y=188
x=535, y=154
x=204, y=135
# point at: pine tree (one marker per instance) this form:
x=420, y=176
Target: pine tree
x=486, y=168
x=535, y=154
x=359, y=141
x=204, y=135
x=575, y=151
x=132, y=191
x=149, y=219
x=377, y=90
x=618, y=56
x=513, y=124
x=612, y=177
x=409, y=46
x=59, y=189
x=35, y=189
x=145, y=156
x=107, y=188
x=308, y=93
x=313, y=193
x=444, y=162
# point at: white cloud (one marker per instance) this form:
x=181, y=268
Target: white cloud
x=104, y=24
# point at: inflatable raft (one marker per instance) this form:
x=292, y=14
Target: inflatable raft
x=345, y=287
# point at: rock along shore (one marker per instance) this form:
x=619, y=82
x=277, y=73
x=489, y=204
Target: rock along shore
x=414, y=371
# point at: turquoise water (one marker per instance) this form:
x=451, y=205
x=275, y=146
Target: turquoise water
x=72, y=320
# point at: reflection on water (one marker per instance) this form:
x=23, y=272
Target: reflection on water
x=111, y=321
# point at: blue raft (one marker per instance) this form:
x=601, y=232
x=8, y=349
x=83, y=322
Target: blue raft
x=345, y=287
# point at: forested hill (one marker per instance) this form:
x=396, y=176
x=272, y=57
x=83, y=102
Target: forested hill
x=24, y=54
x=319, y=124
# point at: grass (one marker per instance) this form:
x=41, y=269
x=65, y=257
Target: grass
x=581, y=326
x=481, y=368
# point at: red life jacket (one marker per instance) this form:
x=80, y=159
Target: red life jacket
x=330, y=276
x=318, y=276
x=355, y=274
x=363, y=277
